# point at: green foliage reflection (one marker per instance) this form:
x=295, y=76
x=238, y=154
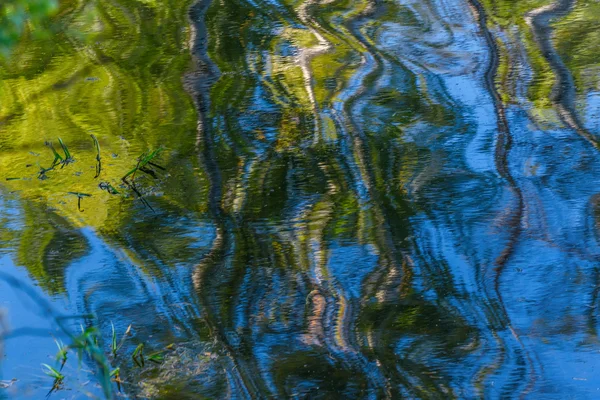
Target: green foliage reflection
x=18, y=16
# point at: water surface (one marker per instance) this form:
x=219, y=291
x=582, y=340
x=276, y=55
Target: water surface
x=366, y=199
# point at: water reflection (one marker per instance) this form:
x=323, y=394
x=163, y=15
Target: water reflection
x=369, y=199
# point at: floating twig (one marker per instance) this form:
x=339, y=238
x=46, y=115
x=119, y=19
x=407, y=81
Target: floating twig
x=79, y=197
x=98, y=159
x=42, y=173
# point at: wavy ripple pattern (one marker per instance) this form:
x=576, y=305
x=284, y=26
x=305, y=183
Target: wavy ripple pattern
x=397, y=199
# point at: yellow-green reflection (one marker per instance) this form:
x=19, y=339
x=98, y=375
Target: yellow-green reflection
x=114, y=70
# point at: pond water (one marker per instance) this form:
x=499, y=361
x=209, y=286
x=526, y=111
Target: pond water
x=302, y=199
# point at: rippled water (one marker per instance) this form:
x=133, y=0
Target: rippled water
x=368, y=199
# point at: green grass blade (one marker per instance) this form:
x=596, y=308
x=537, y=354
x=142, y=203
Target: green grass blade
x=53, y=372
x=65, y=149
x=138, y=355
x=57, y=157
x=144, y=160
x=114, y=341
x=122, y=341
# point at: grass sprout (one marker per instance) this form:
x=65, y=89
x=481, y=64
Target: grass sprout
x=53, y=373
x=145, y=159
x=68, y=157
x=87, y=343
x=113, y=342
x=62, y=352
x=115, y=374
x=57, y=157
x=124, y=337
x=138, y=355
x=157, y=358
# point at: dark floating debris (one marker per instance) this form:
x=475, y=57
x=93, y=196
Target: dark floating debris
x=42, y=174
x=79, y=197
x=7, y=384
x=145, y=163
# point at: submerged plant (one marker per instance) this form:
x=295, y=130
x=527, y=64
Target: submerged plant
x=87, y=343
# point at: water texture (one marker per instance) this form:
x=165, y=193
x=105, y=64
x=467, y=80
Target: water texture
x=354, y=199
